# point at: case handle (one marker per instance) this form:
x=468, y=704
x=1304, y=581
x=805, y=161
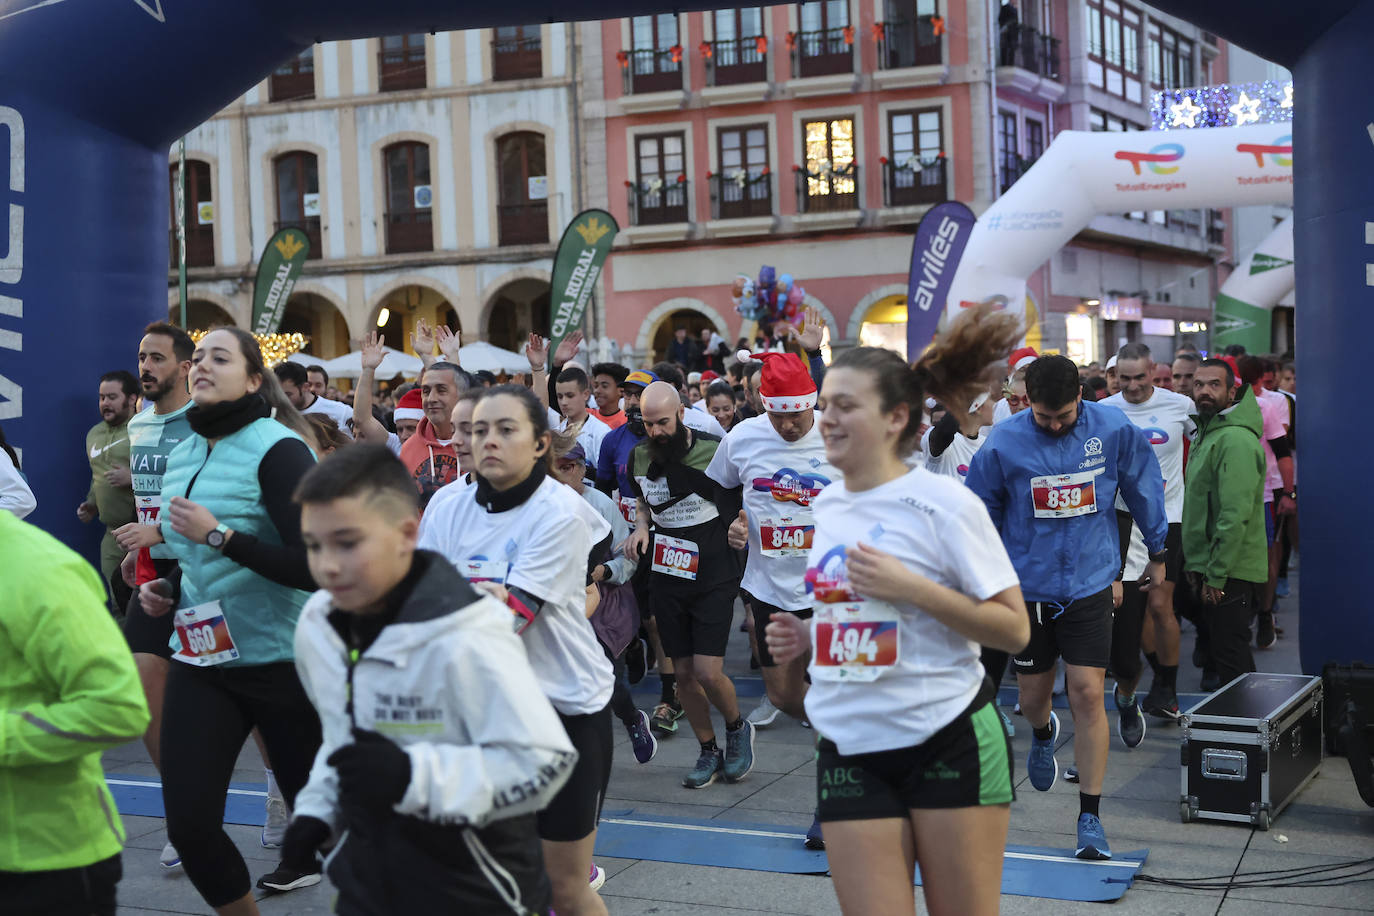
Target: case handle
x=1228, y=765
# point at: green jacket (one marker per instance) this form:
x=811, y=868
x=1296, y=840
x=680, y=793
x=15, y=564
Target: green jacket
x=68, y=691
x=1223, y=497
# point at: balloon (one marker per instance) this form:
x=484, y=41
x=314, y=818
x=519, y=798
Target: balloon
x=795, y=297
x=785, y=282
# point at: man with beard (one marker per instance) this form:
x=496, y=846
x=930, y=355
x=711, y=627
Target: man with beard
x=694, y=576
x=111, y=496
x=1224, y=543
x=1049, y=477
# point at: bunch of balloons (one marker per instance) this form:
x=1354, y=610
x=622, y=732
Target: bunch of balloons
x=772, y=298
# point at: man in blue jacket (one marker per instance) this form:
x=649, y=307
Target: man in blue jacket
x=1050, y=477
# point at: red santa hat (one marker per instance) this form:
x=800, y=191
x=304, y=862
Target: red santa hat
x=409, y=407
x=785, y=384
x=1021, y=358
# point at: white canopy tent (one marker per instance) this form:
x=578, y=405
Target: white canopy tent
x=480, y=356
x=350, y=365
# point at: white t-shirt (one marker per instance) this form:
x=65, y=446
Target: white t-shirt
x=589, y=437
x=1274, y=411
x=957, y=456
x=621, y=567
x=540, y=546
x=15, y=494
x=337, y=411
x=700, y=419
x=781, y=480
x=925, y=673
x=1166, y=419
x=1001, y=411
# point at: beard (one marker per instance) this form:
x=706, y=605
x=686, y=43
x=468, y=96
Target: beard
x=158, y=389
x=670, y=449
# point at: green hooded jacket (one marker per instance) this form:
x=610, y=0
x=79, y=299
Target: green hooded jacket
x=1223, y=497
x=68, y=691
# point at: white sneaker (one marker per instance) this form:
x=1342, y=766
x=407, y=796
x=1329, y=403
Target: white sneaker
x=170, y=857
x=278, y=817
x=596, y=878
x=764, y=713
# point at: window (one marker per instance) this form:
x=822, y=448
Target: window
x=1114, y=48
x=200, y=216
x=1171, y=58
x=830, y=172
x=298, y=196
x=401, y=63
x=522, y=211
x=660, y=195
x=294, y=79
x=1100, y=120
x=651, y=67
x=1008, y=148
x=821, y=45
x=409, y=196
x=915, y=168
x=517, y=53
x=744, y=185
x=1035, y=140
x=909, y=38
x=736, y=54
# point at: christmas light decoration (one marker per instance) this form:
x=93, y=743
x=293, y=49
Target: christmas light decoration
x=275, y=347
x=1223, y=105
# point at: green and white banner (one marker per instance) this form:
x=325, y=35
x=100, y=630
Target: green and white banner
x=281, y=265
x=581, y=254
x=1245, y=302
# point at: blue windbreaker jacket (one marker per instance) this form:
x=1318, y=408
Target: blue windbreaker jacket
x=1062, y=549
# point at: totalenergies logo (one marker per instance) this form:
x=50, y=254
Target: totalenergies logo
x=1165, y=152
x=1281, y=149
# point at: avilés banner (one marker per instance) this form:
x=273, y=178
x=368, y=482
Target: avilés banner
x=581, y=254
x=281, y=264
x=935, y=254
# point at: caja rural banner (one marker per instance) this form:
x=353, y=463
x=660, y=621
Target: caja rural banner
x=581, y=254
x=282, y=262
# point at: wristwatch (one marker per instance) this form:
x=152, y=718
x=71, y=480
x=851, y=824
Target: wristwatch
x=1159, y=557
x=216, y=538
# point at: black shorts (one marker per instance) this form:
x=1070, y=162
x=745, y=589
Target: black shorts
x=1173, y=546
x=85, y=891
x=1079, y=632
x=966, y=763
x=762, y=612
x=149, y=635
x=574, y=811
x=693, y=621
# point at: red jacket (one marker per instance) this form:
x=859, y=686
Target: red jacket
x=432, y=463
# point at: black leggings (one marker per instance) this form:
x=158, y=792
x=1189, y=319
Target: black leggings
x=1128, y=623
x=622, y=704
x=207, y=714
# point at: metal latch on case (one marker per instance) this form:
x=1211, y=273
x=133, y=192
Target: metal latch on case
x=1228, y=765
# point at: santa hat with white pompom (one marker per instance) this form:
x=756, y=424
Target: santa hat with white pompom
x=785, y=384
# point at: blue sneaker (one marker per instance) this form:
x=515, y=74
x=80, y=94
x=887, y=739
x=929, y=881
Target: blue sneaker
x=1281, y=588
x=642, y=737
x=1041, y=766
x=1130, y=723
x=709, y=766
x=1092, y=839
x=1071, y=774
x=1006, y=724
x=739, y=752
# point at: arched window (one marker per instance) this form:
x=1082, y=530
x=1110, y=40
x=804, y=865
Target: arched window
x=522, y=176
x=409, y=222
x=200, y=215
x=298, y=196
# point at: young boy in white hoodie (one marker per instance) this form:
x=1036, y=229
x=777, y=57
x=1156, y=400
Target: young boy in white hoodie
x=439, y=746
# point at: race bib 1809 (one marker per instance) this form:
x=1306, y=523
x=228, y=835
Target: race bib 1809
x=1064, y=496
x=675, y=557
x=204, y=636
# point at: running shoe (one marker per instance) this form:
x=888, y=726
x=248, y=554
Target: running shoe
x=636, y=665
x=1071, y=775
x=665, y=718
x=1281, y=588
x=1130, y=724
x=1264, y=630
x=596, y=878
x=278, y=817
x=739, y=752
x=1006, y=723
x=1041, y=766
x=814, y=838
x=710, y=765
x=804, y=723
x=642, y=738
x=764, y=713
x=170, y=857
x=286, y=878
x=1161, y=702
x=1092, y=839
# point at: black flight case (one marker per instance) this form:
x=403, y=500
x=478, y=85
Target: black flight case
x=1249, y=748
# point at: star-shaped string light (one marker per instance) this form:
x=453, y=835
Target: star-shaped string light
x=1246, y=110
x=1287, y=97
x=1185, y=113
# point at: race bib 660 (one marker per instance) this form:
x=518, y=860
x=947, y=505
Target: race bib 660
x=204, y=636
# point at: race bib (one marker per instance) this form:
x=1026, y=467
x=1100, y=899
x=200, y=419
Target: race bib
x=1064, y=496
x=675, y=557
x=629, y=507
x=204, y=636
x=147, y=508
x=854, y=640
x=479, y=569
x=785, y=537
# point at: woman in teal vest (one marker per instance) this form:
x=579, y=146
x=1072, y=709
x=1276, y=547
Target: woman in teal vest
x=230, y=521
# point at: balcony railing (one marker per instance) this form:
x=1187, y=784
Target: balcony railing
x=822, y=53
x=737, y=60
x=828, y=190
x=1022, y=46
x=737, y=196
x=311, y=227
x=523, y=224
x=656, y=201
x=400, y=69
x=908, y=44
x=289, y=84
x=200, y=247
x=1013, y=167
x=409, y=230
x=1216, y=227
x=651, y=71
x=914, y=182
x=517, y=58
